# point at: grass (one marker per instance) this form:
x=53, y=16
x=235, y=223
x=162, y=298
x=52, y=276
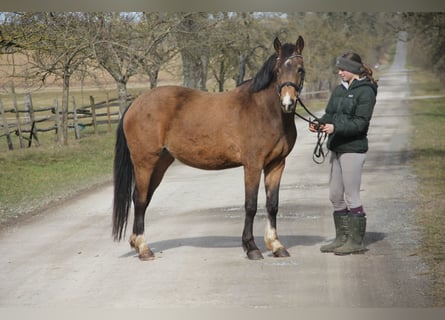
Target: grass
x=34, y=177
x=428, y=150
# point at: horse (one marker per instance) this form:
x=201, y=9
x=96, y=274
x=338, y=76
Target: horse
x=251, y=126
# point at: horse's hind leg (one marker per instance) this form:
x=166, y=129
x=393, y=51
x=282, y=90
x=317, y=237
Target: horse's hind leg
x=146, y=183
x=272, y=178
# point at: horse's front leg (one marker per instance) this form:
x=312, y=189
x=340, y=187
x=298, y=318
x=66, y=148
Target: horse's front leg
x=251, y=181
x=272, y=178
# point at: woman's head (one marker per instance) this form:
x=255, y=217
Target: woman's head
x=352, y=63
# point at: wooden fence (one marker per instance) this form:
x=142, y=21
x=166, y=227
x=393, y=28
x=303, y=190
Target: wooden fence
x=26, y=123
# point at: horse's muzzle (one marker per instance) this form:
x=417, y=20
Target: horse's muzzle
x=288, y=106
x=288, y=103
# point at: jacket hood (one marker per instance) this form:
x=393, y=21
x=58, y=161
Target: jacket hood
x=363, y=82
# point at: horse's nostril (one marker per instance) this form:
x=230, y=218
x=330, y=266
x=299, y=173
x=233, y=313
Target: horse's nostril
x=288, y=107
x=288, y=103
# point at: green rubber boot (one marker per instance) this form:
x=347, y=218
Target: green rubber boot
x=357, y=229
x=341, y=232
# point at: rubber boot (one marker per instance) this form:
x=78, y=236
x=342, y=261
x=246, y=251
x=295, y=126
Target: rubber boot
x=356, y=233
x=341, y=219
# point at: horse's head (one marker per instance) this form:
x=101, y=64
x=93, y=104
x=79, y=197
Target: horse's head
x=290, y=73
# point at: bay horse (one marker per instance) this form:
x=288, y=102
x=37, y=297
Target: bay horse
x=251, y=126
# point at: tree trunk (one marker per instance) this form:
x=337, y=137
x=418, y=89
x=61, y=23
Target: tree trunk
x=153, y=73
x=122, y=92
x=65, y=96
x=194, y=52
x=221, y=78
x=204, y=71
x=242, y=70
x=192, y=70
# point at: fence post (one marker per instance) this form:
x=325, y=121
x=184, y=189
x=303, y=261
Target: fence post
x=29, y=107
x=6, y=127
x=17, y=115
x=93, y=112
x=76, y=127
x=58, y=124
x=108, y=113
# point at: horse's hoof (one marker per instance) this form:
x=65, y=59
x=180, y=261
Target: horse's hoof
x=254, y=255
x=281, y=253
x=146, y=255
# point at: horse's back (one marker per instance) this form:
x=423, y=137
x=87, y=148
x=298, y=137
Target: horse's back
x=176, y=99
x=199, y=128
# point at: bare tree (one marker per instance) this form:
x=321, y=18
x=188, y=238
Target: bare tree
x=237, y=55
x=426, y=32
x=193, y=32
x=55, y=45
x=115, y=46
x=157, y=43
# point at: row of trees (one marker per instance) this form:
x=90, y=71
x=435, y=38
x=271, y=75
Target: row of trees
x=227, y=47
x=427, y=40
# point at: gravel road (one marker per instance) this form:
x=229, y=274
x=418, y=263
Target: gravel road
x=65, y=256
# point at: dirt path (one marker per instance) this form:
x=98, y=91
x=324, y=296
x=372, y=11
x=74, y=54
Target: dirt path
x=65, y=256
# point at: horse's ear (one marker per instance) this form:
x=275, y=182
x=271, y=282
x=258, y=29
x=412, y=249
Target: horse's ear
x=300, y=45
x=277, y=45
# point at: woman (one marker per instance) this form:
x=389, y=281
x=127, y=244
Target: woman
x=346, y=120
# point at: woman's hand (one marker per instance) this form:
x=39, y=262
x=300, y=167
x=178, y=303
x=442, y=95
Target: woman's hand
x=328, y=128
x=313, y=126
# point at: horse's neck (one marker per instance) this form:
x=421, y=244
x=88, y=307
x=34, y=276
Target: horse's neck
x=268, y=98
x=269, y=101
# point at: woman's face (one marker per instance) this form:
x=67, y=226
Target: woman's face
x=346, y=75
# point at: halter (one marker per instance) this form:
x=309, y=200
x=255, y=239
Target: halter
x=299, y=87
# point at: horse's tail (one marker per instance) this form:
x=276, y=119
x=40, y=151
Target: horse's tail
x=123, y=183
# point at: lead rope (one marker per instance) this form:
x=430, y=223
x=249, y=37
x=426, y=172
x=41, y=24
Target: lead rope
x=319, y=152
x=318, y=155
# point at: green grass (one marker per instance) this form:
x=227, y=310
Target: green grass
x=428, y=149
x=34, y=177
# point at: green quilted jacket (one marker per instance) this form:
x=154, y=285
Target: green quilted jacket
x=350, y=111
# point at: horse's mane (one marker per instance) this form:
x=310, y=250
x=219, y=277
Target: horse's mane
x=267, y=73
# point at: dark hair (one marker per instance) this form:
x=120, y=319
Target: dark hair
x=367, y=71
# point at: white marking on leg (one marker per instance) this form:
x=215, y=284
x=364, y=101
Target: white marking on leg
x=271, y=238
x=138, y=243
x=141, y=244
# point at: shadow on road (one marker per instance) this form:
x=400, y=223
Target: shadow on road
x=372, y=237
x=289, y=241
